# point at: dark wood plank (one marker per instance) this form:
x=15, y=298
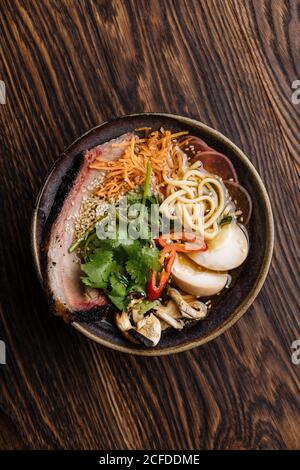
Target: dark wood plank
x=69, y=65
x=9, y=438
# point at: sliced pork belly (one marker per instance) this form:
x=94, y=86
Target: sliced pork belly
x=244, y=202
x=70, y=299
x=213, y=161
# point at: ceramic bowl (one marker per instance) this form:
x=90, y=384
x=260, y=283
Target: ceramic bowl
x=238, y=298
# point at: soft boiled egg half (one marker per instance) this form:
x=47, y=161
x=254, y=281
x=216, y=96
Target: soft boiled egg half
x=226, y=251
x=204, y=273
x=195, y=280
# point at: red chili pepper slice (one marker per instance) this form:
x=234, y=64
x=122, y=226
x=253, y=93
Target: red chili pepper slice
x=187, y=248
x=167, y=257
x=154, y=291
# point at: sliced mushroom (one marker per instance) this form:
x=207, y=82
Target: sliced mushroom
x=200, y=308
x=123, y=322
x=170, y=314
x=147, y=331
x=194, y=311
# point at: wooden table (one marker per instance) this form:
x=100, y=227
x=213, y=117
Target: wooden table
x=70, y=65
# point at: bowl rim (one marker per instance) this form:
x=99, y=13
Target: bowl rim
x=240, y=310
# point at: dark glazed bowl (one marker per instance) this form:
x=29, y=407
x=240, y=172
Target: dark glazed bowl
x=234, y=303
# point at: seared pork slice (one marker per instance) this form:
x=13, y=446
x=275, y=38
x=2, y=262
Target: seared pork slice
x=69, y=297
x=244, y=202
x=213, y=161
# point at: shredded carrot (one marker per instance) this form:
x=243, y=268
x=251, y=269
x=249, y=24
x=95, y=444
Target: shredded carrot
x=129, y=170
x=185, y=142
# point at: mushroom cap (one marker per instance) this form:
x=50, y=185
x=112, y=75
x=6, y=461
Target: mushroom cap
x=147, y=331
x=195, y=310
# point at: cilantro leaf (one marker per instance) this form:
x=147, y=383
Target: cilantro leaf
x=133, y=249
x=118, y=301
x=118, y=286
x=149, y=258
x=118, y=292
x=133, y=268
x=145, y=305
x=140, y=265
x=98, y=269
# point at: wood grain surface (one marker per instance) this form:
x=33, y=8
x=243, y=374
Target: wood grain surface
x=69, y=65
